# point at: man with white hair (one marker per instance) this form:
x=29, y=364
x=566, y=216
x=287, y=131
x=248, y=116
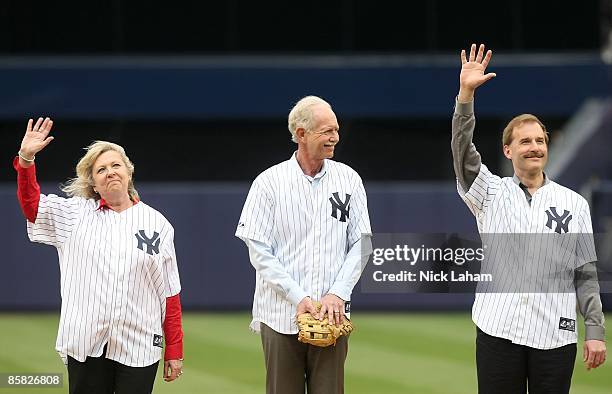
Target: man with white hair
x=306, y=225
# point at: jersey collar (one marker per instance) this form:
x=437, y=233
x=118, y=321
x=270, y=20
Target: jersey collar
x=518, y=181
x=525, y=189
x=296, y=166
x=102, y=204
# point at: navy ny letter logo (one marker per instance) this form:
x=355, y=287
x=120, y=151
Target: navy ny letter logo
x=338, y=205
x=152, y=243
x=561, y=220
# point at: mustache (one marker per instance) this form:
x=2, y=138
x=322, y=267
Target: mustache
x=534, y=154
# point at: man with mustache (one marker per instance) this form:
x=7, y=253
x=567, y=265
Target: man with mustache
x=305, y=222
x=526, y=339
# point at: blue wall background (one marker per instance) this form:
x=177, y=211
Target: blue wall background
x=214, y=266
x=264, y=87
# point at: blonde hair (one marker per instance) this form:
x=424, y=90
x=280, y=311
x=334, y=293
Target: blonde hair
x=301, y=114
x=82, y=184
x=518, y=121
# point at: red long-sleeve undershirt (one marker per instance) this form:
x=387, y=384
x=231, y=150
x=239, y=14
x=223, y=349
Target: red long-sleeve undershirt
x=28, y=194
x=28, y=191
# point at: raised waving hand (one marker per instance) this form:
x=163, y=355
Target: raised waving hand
x=36, y=138
x=473, y=70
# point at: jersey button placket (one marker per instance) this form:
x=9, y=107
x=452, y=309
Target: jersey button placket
x=527, y=282
x=308, y=280
x=106, y=241
x=316, y=230
x=114, y=263
x=312, y=274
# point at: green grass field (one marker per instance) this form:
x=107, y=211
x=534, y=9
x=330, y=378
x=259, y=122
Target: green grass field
x=389, y=353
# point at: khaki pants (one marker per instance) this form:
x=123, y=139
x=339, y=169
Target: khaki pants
x=292, y=366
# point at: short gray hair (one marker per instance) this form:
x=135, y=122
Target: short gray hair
x=301, y=114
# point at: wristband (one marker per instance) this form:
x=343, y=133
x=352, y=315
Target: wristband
x=24, y=158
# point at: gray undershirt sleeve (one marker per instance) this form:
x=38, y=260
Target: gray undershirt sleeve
x=466, y=159
x=589, y=302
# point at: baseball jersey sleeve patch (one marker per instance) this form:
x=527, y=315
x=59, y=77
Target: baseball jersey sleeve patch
x=157, y=340
x=567, y=324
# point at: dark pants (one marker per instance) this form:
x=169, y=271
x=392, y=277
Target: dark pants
x=99, y=375
x=504, y=367
x=292, y=366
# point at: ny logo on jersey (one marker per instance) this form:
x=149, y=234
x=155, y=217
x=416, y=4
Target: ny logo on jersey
x=561, y=220
x=339, y=205
x=152, y=243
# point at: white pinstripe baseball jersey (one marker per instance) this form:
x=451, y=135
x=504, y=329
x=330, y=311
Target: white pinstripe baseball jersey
x=116, y=271
x=311, y=225
x=539, y=319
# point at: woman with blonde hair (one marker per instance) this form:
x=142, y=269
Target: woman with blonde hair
x=119, y=278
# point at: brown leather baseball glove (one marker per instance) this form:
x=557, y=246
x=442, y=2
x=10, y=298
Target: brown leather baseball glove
x=320, y=332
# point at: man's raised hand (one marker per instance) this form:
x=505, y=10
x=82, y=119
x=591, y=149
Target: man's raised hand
x=473, y=72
